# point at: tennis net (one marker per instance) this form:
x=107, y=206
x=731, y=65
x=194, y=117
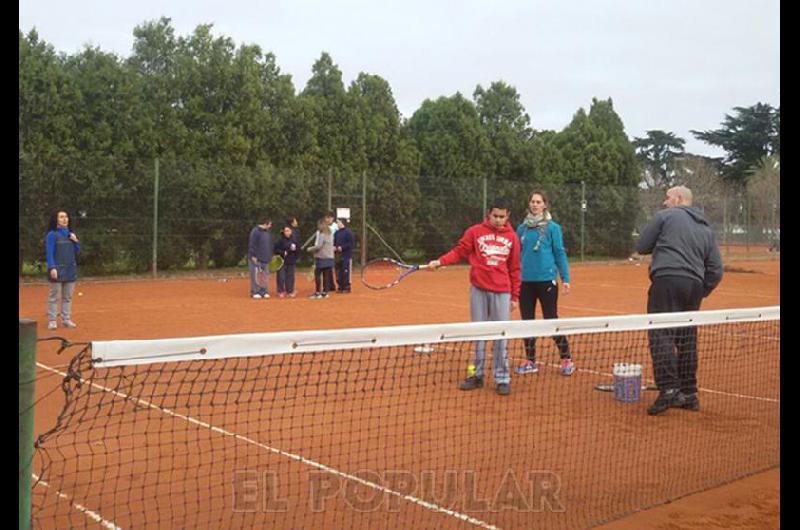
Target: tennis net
x=368, y=428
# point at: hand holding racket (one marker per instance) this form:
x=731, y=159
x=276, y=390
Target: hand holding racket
x=262, y=279
x=383, y=273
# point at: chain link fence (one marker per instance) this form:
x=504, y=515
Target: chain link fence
x=205, y=213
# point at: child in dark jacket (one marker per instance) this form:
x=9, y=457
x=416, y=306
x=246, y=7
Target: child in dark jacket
x=287, y=247
x=343, y=243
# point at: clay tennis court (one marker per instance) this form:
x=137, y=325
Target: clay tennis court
x=147, y=309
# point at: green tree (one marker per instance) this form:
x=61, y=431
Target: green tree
x=764, y=192
x=327, y=100
x=455, y=155
x=508, y=128
x=391, y=162
x=450, y=139
x=47, y=108
x=596, y=150
x=656, y=153
x=748, y=135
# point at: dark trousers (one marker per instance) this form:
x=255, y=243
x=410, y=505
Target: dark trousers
x=323, y=280
x=674, y=350
x=547, y=295
x=285, y=278
x=343, y=274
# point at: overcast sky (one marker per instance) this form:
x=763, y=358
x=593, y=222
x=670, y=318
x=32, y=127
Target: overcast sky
x=673, y=65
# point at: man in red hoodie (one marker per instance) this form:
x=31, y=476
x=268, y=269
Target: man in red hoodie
x=492, y=249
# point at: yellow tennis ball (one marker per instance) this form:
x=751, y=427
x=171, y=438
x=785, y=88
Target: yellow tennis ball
x=80, y=294
x=471, y=369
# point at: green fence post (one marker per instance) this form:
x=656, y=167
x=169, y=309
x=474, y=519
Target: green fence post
x=155, y=223
x=27, y=378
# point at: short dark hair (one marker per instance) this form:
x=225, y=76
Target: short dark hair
x=343, y=221
x=501, y=203
x=264, y=220
x=329, y=214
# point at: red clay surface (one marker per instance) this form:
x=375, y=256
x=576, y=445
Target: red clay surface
x=146, y=309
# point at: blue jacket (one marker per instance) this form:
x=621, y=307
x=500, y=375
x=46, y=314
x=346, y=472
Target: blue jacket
x=541, y=265
x=344, y=238
x=283, y=246
x=61, y=253
x=260, y=244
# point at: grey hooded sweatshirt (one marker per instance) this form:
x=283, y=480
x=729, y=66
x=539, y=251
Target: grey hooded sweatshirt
x=683, y=244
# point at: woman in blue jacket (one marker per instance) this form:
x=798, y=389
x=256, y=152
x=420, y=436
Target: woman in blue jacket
x=542, y=257
x=61, y=248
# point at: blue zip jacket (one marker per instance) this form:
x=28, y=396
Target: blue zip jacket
x=541, y=265
x=260, y=244
x=61, y=252
x=283, y=246
x=344, y=238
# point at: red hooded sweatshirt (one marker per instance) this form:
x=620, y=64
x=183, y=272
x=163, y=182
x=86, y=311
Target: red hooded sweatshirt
x=493, y=255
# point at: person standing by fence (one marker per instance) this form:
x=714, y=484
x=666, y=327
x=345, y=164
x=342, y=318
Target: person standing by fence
x=61, y=251
x=323, y=260
x=343, y=242
x=259, y=253
x=287, y=248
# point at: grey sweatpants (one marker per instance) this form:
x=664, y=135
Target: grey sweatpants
x=65, y=289
x=484, y=306
x=254, y=288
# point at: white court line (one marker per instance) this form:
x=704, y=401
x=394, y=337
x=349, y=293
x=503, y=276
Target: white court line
x=650, y=381
x=89, y=513
x=298, y=458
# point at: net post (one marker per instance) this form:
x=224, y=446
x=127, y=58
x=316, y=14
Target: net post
x=27, y=377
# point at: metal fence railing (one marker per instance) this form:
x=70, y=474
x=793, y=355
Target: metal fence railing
x=203, y=215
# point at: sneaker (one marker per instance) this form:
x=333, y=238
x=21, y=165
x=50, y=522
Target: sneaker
x=281, y=295
x=315, y=295
x=666, y=399
x=567, y=366
x=293, y=294
x=528, y=367
x=257, y=296
x=689, y=402
x=324, y=295
x=52, y=325
x=265, y=296
x=69, y=324
x=503, y=389
x=471, y=383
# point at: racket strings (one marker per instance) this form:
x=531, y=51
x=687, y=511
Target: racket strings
x=382, y=274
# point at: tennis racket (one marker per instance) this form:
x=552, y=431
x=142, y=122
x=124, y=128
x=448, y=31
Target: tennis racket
x=383, y=273
x=275, y=263
x=606, y=387
x=262, y=279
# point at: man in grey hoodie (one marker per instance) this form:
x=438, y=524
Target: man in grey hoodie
x=259, y=253
x=685, y=268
